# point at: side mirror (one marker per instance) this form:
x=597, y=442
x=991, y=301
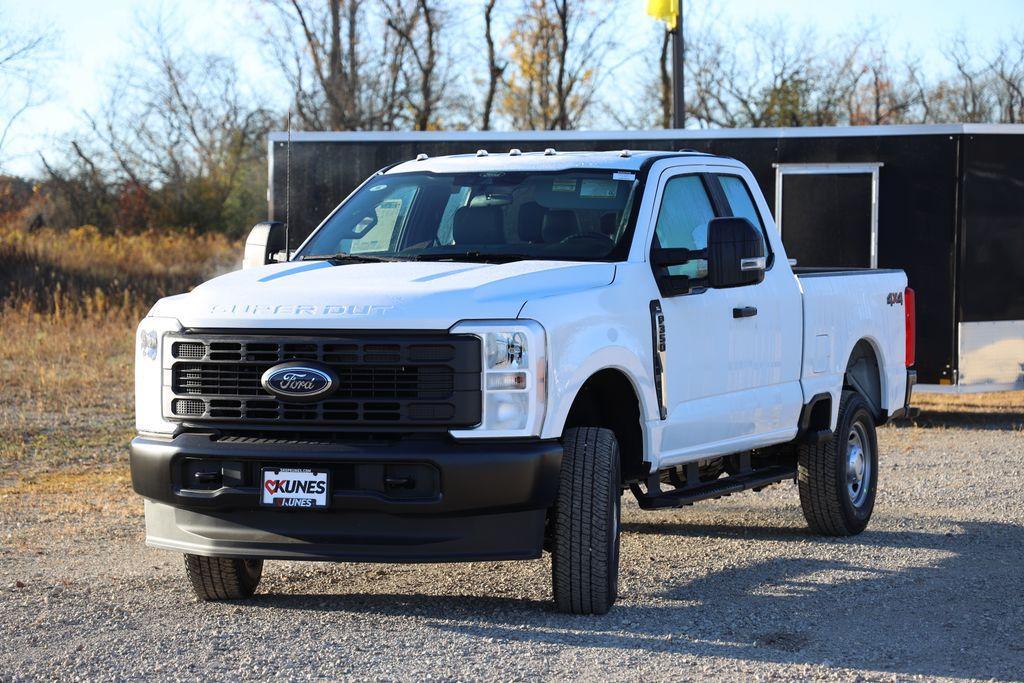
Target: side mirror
x=736, y=255
x=264, y=240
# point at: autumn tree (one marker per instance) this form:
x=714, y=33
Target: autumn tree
x=558, y=52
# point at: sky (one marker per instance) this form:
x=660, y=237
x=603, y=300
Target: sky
x=92, y=38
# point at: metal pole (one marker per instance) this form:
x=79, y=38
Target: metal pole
x=678, y=77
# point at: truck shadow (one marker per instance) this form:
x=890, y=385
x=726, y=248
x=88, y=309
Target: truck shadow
x=949, y=594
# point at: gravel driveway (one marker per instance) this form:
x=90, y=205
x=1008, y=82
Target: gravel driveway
x=733, y=588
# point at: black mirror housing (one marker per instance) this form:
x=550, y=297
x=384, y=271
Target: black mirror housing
x=264, y=240
x=736, y=253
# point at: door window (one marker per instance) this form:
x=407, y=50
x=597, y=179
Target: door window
x=742, y=204
x=683, y=221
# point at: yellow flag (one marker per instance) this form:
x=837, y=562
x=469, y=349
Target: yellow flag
x=664, y=10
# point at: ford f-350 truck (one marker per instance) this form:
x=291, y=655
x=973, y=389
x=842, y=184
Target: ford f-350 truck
x=473, y=357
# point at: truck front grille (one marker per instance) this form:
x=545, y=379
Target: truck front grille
x=429, y=382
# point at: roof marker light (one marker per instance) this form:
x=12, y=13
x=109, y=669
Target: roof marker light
x=625, y=154
x=422, y=157
x=481, y=152
x=550, y=152
x=514, y=152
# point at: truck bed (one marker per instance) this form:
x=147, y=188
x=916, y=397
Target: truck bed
x=840, y=311
x=822, y=272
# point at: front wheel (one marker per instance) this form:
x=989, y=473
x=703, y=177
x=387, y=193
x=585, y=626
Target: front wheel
x=585, y=523
x=223, y=578
x=838, y=479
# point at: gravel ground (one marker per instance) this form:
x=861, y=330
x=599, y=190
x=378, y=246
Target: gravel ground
x=734, y=589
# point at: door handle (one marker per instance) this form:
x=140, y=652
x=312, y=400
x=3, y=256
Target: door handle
x=744, y=312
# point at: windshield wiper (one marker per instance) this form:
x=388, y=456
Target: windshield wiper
x=472, y=257
x=342, y=257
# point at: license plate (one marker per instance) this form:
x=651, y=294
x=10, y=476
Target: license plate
x=295, y=489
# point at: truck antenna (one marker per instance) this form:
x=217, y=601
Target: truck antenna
x=288, y=191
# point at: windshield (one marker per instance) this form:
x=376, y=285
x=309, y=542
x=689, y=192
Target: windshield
x=571, y=215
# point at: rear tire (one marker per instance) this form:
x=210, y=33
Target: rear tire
x=223, y=578
x=585, y=547
x=838, y=479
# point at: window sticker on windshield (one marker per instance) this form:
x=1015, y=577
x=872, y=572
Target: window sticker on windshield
x=563, y=186
x=623, y=176
x=597, y=188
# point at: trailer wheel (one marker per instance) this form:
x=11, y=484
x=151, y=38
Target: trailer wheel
x=223, y=578
x=838, y=478
x=585, y=523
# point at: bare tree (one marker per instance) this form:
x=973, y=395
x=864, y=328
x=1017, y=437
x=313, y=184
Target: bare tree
x=342, y=63
x=785, y=77
x=177, y=143
x=965, y=95
x=1007, y=68
x=495, y=66
x=884, y=94
x=22, y=56
x=425, y=70
x=557, y=51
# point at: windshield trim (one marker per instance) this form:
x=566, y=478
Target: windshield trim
x=618, y=255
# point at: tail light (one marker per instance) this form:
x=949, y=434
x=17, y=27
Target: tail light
x=910, y=311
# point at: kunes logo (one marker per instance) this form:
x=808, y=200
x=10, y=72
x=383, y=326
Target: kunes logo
x=293, y=487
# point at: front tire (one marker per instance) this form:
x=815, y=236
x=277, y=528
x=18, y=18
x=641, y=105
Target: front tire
x=838, y=479
x=585, y=523
x=223, y=578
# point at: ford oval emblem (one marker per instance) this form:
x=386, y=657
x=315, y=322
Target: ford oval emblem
x=299, y=381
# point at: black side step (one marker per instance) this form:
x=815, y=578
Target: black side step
x=654, y=498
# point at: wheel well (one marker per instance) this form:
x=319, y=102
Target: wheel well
x=864, y=376
x=607, y=399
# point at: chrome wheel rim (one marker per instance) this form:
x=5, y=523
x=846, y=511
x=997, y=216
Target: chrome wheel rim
x=858, y=465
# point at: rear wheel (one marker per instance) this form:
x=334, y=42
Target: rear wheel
x=223, y=578
x=838, y=479
x=585, y=523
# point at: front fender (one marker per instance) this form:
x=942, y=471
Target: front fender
x=598, y=329
x=563, y=391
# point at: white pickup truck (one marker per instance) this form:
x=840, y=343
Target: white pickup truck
x=474, y=356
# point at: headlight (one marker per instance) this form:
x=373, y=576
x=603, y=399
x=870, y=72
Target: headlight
x=514, y=384
x=149, y=374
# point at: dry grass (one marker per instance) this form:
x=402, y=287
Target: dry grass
x=1008, y=402
x=84, y=272
x=69, y=304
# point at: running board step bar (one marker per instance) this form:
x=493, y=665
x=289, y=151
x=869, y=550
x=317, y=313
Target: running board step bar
x=654, y=498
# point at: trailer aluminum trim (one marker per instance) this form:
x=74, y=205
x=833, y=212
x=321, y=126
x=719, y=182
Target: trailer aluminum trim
x=782, y=170
x=664, y=134
x=992, y=354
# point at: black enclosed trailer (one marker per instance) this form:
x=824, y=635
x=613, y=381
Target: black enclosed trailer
x=945, y=203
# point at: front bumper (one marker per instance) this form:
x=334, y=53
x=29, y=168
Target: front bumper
x=453, y=502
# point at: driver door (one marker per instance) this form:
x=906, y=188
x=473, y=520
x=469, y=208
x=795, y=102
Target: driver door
x=720, y=362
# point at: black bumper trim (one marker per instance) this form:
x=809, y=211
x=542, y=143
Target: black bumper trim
x=475, y=477
x=490, y=503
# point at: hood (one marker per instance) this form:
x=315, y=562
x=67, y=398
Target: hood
x=405, y=295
